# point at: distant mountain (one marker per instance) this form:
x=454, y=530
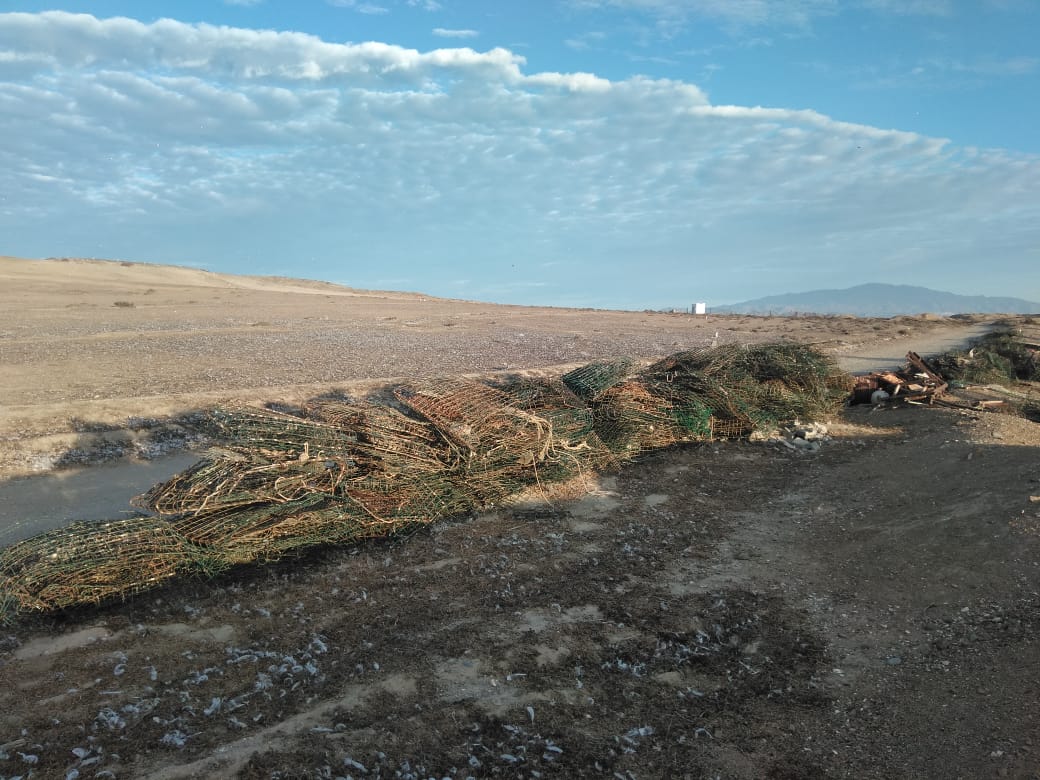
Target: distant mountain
x=880, y=300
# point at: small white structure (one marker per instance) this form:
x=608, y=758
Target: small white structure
x=700, y=308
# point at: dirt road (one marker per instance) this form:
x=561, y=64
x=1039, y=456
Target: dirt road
x=891, y=353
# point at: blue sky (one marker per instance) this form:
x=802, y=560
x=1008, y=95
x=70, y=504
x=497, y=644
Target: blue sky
x=614, y=153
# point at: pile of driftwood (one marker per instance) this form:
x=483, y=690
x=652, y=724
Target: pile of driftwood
x=336, y=471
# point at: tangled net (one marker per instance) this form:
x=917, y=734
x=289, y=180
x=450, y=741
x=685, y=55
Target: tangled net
x=335, y=472
x=86, y=563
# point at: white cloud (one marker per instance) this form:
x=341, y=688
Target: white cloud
x=753, y=13
x=371, y=9
x=178, y=142
x=586, y=40
x=911, y=7
x=936, y=73
x=441, y=32
x=743, y=12
x=1011, y=66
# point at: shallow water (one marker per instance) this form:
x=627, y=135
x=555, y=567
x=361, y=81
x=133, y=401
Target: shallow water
x=32, y=505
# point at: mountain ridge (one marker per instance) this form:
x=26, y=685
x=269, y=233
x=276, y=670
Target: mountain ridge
x=877, y=299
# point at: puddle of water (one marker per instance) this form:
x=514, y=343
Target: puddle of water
x=32, y=505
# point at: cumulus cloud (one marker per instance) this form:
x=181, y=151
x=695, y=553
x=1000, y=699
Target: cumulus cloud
x=177, y=142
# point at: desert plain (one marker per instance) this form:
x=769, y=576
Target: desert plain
x=728, y=609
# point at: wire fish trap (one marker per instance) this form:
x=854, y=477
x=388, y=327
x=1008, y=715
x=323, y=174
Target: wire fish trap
x=484, y=423
x=816, y=383
x=576, y=447
x=750, y=387
x=91, y=562
x=706, y=361
x=398, y=503
x=498, y=446
x=226, y=484
x=399, y=442
x=590, y=380
x=372, y=507
x=998, y=357
x=630, y=420
x=281, y=436
x=708, y=400
x=268, y=531
x=219, y=526
x=797, y=381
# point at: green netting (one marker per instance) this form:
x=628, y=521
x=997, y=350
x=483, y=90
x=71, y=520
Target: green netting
x=336, y=472
x=695, y=418
x=229, y=484
x=280, y=436
x=748, y=387
x=87, y=563
x=590, y=380
x=575, y=446
x=366, y=509
x=631, y=420
x=397, y=441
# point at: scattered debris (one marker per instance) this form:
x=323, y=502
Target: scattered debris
x=916, y=383
x=797, y=436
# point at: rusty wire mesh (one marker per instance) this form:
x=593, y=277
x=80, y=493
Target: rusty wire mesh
x=334, y=472
x=397, y=441
x=511, y=434
x=631, y=420
x=89, y=562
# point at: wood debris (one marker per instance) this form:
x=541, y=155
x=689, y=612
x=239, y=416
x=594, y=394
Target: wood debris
x=916, y=382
